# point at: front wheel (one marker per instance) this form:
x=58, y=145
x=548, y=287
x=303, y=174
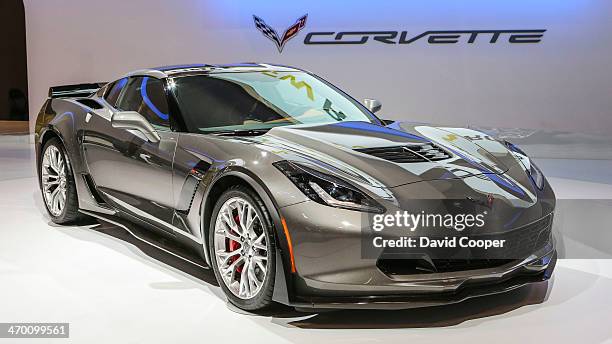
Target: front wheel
x=241, y=246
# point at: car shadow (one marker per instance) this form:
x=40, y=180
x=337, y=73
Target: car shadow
x=194, y=268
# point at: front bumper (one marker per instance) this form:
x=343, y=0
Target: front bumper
x=332, y=273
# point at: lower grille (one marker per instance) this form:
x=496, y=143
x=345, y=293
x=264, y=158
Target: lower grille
x=520, y=244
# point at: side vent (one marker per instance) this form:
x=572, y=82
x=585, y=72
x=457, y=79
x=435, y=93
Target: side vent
x=91, y=187
x=409, y=153
x=190, y=186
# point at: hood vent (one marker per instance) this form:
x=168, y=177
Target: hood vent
x=410, y=153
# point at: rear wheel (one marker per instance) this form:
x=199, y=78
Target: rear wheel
x=241, y=246
x=57, y=183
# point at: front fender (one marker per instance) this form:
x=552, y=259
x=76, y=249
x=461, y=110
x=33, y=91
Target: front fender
x=283, y=280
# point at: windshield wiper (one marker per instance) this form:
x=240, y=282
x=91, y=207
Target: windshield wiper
x=240, y=132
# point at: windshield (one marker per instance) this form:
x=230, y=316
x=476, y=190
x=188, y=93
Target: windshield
x=261, y=100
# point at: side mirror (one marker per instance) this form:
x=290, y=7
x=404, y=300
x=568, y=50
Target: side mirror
x=132, y=120
x=372, y=104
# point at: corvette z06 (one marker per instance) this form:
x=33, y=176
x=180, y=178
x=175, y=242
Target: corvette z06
x=271, y=175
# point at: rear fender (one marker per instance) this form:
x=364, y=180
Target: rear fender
x=64, y=119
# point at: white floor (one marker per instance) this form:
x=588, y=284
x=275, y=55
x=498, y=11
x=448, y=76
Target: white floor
x=112, y=289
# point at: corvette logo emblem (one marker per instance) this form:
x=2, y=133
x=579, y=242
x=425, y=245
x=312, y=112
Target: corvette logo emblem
x=269, y=32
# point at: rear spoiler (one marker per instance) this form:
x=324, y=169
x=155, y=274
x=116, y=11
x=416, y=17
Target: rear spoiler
x=79, y=90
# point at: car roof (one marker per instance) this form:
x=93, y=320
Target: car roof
x=196, y=69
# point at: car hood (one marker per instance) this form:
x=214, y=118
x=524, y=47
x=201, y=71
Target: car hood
x=335, y=147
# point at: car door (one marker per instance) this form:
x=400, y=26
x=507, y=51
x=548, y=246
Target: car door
x=133, y=173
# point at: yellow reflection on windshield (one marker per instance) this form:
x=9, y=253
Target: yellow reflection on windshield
x=297, y=84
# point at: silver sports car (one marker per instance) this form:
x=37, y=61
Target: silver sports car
x=294, y=192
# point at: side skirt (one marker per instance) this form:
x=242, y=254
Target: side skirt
x=156, y=240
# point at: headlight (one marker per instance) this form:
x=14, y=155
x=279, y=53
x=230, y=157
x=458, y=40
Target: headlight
x=534, y=172
x=327, y=189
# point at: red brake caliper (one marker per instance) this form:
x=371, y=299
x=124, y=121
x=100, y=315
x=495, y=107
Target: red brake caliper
x=235, y=245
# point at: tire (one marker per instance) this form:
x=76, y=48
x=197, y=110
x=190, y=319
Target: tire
x=257, y=297
x=66, y=189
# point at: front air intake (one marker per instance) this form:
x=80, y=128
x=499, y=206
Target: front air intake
x=409, y=153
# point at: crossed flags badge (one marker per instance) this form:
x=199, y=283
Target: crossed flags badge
x=269, y=32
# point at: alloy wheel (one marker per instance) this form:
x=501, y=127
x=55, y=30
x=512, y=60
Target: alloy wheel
x=241, y=248
x=53, y=178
